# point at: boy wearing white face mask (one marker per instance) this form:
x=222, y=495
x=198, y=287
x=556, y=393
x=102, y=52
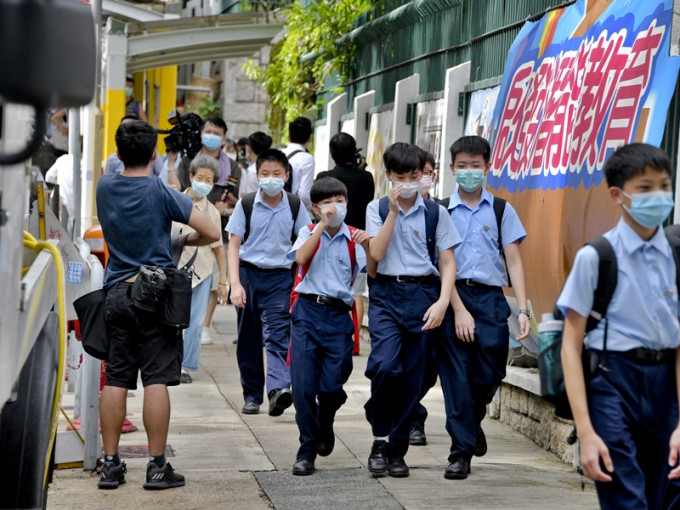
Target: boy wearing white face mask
x=473, y=352
x=261, y=282
x=626, y=415
x=329, y=255
x=408, y=301
x=203, y=172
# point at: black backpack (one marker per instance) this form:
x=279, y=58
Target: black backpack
x=549, y=358
x=248, y=200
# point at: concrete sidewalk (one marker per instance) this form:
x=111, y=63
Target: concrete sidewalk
x=240, y=461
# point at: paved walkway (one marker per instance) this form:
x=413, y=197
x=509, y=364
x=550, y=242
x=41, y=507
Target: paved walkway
x=240, y=461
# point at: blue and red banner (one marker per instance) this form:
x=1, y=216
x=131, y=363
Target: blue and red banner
x=580, y=82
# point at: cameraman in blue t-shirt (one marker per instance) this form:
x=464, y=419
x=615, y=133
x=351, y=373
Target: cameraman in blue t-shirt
x=136, y=211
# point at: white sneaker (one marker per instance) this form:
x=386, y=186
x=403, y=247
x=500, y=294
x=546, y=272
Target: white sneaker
x=205, y=337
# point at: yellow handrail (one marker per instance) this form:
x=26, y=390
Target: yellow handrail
x=37, y=246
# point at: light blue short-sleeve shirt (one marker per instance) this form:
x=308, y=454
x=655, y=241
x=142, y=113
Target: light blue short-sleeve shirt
x=643, y=311
x=407, y=252
x=478, y=257
x=329, y=272
x=269, y=240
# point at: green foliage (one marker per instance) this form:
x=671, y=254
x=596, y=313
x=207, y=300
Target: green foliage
x=208, y=106
x=312, y=29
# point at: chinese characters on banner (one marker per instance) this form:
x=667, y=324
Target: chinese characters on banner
x=580, y=82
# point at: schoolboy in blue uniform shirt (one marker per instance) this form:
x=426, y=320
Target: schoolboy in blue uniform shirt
x=261, y=288
x=626, y=416
x=407, y=301
x=474, y=352
x=322, y=331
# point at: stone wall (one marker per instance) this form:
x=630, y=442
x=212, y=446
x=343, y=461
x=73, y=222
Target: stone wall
x=518, y=404
x=244, y=101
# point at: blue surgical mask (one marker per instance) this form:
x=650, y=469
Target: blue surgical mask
x=651, y=208
x=128, y=91
x=200, y=189
x=211, y=142
x=337, y=219
x=469, y=179
x=272, y=186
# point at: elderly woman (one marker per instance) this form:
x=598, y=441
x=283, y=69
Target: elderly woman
x=202, y=173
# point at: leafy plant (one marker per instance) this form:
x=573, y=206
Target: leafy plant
x=208, y=106
x=313, y=29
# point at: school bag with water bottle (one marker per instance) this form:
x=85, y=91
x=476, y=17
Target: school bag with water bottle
x=551, y=326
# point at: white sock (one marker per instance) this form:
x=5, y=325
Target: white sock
x=384, y=438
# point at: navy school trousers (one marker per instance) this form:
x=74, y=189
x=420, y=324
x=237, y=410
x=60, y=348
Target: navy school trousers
x=321, y=346
x=264, y=319
x=399, y=351
x=470, y=373
x=634, y=409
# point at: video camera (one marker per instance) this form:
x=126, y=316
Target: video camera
x=185, y=136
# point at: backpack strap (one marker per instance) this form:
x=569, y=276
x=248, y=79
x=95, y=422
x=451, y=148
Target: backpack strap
x=431, y=221
x=289, y=183
x=294, y=203
x=302, y=271
x=606, y=281
x=248, y=201
x=498, y=210
x=673, y=235
x=351, y=245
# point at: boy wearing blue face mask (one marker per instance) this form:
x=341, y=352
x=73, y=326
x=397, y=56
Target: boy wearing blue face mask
x=329, y=256
x=203, y=172
x=408, y=300
x=261, y=282
x=473, y=352
x=626, y=415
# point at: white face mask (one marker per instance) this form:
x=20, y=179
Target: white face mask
x=408, y=188
x=425, y=184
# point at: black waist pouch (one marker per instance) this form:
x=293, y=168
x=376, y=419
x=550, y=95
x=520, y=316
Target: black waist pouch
x=148, y=290
x=177, y=309
x=90, y=310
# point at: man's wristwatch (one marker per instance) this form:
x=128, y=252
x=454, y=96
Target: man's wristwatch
x=525, y=312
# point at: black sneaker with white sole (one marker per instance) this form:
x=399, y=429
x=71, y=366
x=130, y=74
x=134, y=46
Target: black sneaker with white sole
x=159, y=478
x=111, y=475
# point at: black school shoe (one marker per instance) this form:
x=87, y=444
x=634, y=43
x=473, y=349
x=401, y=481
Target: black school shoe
x=377, y=460
x=279, y=401
x=160, y=478
x=417, y=436
x=327, y=440
x=481, y=447
x=303, y=467
x=398, y=468
x=111, y=475
x=459, y=469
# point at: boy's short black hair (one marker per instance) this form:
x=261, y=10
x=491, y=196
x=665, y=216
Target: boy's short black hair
x=215, y=121
x=135, y=141
x=631, y=160
x=327, y=187
x=403, y=158
x=259, y=142
x=343, y=148
x=471, y=145
x=300, y=130
x=429, y=158
x=272, y=155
